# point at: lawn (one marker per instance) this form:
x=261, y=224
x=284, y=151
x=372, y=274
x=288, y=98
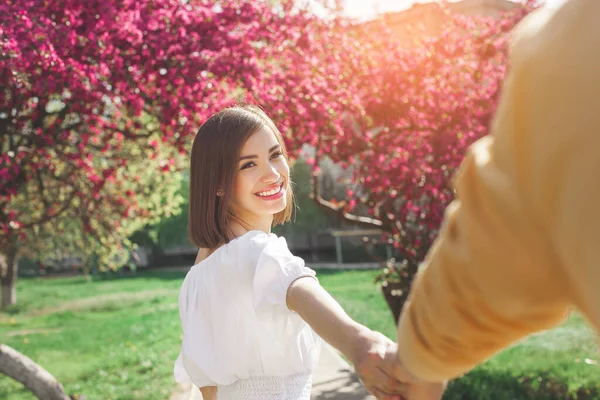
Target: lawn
x=118, y=338
x=548, y=366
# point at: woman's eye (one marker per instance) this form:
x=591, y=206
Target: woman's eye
x=276, y=154
x=247, y=165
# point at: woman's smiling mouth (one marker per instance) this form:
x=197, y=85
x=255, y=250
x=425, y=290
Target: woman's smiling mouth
x=274, y=192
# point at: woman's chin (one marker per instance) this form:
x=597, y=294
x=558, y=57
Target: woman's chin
x=275, y=208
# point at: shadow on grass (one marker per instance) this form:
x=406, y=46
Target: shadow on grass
x=351, y=387
x=487, y=385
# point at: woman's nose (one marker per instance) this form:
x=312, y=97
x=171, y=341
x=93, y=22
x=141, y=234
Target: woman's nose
x=271, y=175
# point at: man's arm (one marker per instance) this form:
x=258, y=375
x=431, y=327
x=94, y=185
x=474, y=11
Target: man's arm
x=520, y=244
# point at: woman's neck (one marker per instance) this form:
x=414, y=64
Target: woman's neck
x=203, y=254
x=240, y=226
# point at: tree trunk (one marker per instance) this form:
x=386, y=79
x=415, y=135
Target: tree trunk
x=396, y=294
x=35, y=378
x=8, y=275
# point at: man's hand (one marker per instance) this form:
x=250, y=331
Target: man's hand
x=426, y=391
x=417, y=389
x=378, y=366
x=375, y=368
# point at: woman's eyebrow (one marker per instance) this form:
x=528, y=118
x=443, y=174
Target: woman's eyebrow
x=272, y=149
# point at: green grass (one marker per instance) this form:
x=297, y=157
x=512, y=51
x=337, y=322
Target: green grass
x=548, y=366
x=107, y=339
x=118, y=338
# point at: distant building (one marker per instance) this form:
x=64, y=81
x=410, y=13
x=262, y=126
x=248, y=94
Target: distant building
x=410, y=26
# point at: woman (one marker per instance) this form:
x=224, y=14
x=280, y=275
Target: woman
x=252, y=313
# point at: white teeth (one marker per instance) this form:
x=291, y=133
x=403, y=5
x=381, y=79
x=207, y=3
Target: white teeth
x=269, y=192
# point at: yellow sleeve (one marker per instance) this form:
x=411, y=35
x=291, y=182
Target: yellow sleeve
x=520, y=245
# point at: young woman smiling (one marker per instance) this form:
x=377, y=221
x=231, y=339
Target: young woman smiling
x=253, y=314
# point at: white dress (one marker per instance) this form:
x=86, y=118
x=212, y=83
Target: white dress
x=238, y=333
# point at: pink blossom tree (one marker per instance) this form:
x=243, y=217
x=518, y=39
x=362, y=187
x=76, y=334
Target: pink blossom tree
x=92, y=91
x=90, y=87
x=401, y=117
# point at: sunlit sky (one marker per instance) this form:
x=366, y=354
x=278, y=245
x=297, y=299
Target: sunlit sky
x=365, y=9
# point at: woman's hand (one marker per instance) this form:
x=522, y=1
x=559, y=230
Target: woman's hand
x=371, y=356
x=365, y=348
x=377, y=363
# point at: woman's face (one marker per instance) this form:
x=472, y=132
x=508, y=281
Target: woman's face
x=262, y=178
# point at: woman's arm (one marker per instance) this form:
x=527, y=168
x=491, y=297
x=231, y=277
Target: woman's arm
x=364, y=348
x=209, y=392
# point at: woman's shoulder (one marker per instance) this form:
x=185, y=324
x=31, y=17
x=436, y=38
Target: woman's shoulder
x=244, y=250
x=254, y=242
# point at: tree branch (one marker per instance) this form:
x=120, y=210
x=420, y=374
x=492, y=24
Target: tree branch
x=49, y=217
x=42, y=190
x=338, y=209
x=35, y=378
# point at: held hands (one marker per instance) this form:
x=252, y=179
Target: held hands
x=375, y=358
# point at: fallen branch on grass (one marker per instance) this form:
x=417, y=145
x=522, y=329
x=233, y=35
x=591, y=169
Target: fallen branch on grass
x=34, y=377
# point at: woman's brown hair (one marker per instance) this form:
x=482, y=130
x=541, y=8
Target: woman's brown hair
x=214, y=167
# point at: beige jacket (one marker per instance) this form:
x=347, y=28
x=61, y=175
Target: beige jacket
x=520, y=246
